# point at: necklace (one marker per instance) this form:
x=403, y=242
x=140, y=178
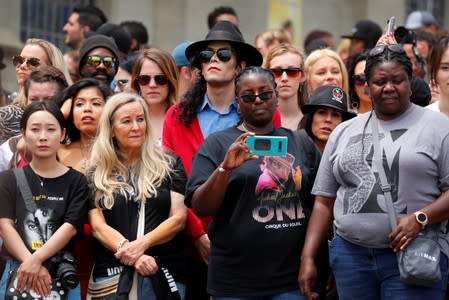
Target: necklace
x=41, y=179
x=245, y=128
x=85, y=156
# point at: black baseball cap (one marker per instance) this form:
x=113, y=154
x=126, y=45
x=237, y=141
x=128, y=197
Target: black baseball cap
x=367, y=31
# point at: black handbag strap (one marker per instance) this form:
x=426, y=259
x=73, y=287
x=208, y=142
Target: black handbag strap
x=384, y=184
x=25, y=190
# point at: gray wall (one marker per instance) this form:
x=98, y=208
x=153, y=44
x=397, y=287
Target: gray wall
x=172, y=21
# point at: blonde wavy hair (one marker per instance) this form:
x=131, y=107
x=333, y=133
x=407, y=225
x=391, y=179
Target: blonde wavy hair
x=55, y=59
x=146, y=176
x=317, y=55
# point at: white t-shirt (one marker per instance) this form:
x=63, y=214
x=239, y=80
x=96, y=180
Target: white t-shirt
x=5, y=156
x=435, y=106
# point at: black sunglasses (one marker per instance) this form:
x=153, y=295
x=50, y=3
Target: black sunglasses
x=145, y=79
x=395, y=48
x=18, y=60
x=96, y=60
x=223, y=54
x=359, y=79
x=290, y=71
x=264, y=96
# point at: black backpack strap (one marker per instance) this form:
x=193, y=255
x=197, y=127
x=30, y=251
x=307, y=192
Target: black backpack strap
x=25, y=190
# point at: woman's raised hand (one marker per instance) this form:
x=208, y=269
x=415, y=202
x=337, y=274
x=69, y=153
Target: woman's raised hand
x=238, y=153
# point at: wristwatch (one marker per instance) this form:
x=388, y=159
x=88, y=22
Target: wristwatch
x=421, y=218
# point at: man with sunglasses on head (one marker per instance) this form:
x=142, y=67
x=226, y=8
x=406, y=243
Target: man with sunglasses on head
x=99, y=58
x=209, y=106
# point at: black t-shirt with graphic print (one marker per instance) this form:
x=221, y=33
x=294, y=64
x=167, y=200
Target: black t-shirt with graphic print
x=58, y=200
x=258, y=232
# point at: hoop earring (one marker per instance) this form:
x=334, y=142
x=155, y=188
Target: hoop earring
x=354, y=105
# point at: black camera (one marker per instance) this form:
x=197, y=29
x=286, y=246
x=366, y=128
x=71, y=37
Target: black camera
x=404, y=36
x=63, y=267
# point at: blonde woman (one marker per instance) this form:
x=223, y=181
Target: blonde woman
x=131, y=173
x=35, y=53
x=286, y=63
x=325, y=67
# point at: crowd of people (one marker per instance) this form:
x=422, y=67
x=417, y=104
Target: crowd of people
x=128, y=172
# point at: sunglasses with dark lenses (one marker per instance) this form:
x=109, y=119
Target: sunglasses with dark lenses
x=145, y=79
x=395, y=48
x=291, y=72
x=223, y=54
x=95, y=60
x=359, y=79
x=264, y=96
x=18, y=60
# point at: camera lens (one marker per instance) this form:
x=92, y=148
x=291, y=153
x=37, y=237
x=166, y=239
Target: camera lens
x=66, y=271
x=404, y=36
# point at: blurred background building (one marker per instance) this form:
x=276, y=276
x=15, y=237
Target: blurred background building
x=170, y=22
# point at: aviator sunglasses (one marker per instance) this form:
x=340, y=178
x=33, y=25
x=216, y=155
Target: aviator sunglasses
x=291, y=72
x=145, y=79
x=95, y=60
x=264, y=96
x=18, y=60
x=223, y=54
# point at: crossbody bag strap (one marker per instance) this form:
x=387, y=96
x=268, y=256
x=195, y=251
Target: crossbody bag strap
x=25, y=190
x=384, y=185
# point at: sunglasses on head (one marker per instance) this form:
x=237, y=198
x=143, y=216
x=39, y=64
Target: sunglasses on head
x=145, y=79
x=18, y=60
x=95, y=60
x=264, y=96
x=359, y=79
x=395, y=48
x=223, y=54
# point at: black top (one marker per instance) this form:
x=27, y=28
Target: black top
x=258, y=233
x=123, y=217
x=58, y=200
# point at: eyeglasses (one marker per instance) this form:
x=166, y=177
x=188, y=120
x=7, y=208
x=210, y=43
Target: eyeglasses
x=264, y=96
x=359, y=79
x=95, y=60
x=291, y=72
x=18, y=60
x=223, y=54
x=145, y=79
x=395, y=48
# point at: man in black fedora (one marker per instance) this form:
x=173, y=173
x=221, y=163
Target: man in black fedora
x=209, y=106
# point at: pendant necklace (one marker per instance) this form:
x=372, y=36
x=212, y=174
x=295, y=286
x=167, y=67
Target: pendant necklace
x=41, y=179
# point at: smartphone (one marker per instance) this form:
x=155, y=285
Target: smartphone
x=267, y=145
x=390, y=25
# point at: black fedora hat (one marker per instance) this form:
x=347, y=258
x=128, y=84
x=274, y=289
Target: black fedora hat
x=329, y=96
x=227, y=32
